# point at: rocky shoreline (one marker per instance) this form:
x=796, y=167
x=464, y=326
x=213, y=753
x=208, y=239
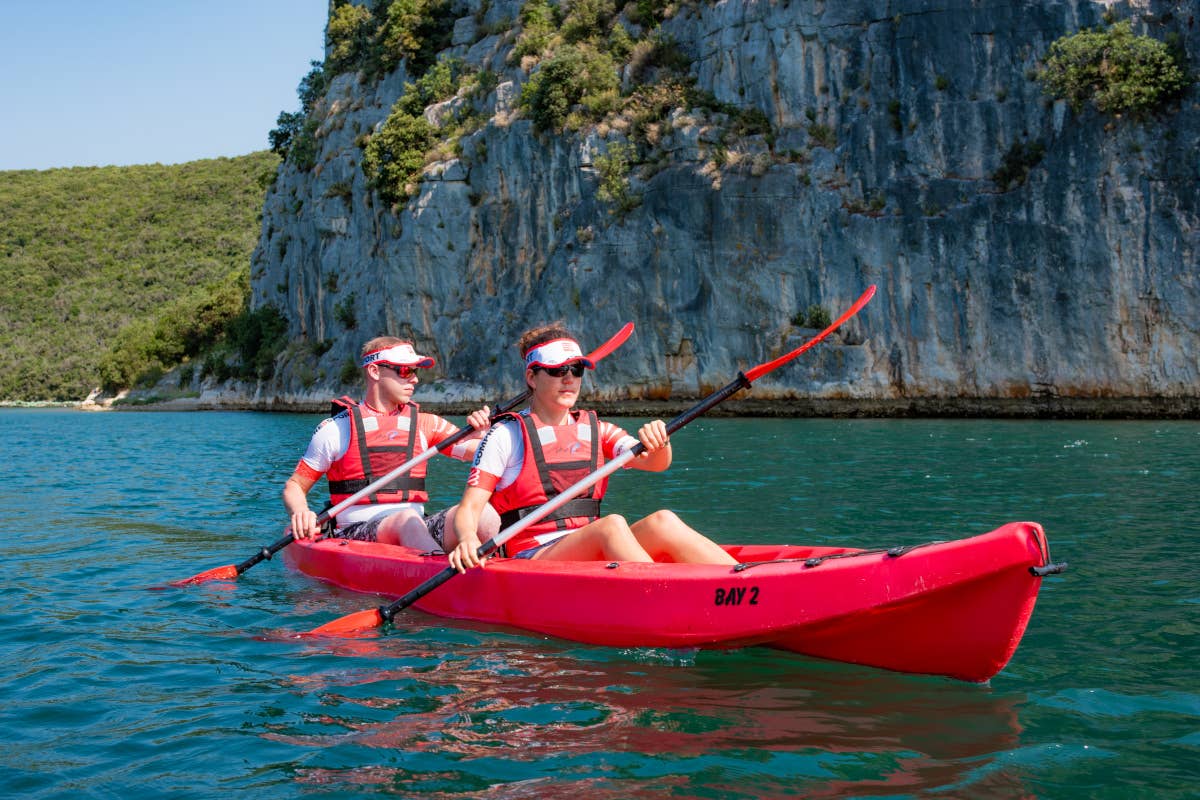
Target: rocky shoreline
x=1089, y=408
x=456, y=399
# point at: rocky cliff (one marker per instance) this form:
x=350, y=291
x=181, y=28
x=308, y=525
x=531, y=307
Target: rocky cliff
x=1073, y=286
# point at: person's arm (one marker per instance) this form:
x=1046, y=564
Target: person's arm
x=481, y=421
x=328, y=443
x=438, y=429
x=492, y=462
x=657, y=455
x=295, y=500
x=466, y=524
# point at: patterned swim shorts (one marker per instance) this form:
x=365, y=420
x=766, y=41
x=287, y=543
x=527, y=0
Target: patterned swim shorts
x=436, y=523
x=359, y=531
x=369, y=531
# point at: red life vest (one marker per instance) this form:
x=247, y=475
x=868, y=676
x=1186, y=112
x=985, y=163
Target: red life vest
x=373, y=453
x=546, y=471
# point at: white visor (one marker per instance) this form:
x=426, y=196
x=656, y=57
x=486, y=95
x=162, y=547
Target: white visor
x=400, y=355
x=556, y=353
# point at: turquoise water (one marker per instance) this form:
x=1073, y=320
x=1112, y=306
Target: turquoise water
x=111, y=689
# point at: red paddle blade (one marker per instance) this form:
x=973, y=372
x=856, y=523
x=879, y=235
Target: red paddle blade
x=763, y=369
x=351, y=623
x=615, y=341
x=226, y=573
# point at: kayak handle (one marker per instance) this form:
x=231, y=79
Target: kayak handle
x=1049, y=569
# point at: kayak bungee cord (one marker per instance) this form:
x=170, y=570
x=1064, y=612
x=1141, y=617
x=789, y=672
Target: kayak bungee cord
x=1047, y=568
x=363, y=620
x=816, y=561
x=232, y=571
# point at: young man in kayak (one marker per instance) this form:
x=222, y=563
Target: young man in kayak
x=527, y=458
x=367, y=440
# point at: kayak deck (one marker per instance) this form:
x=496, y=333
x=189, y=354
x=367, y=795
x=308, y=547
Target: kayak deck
x=956, y=608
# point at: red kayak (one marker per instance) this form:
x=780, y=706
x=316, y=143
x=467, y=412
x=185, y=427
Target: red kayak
x=955, y=608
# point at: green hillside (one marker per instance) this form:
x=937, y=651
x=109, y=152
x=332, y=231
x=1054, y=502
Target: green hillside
x=114, y=273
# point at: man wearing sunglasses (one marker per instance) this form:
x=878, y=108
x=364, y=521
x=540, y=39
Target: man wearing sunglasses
x=364, y=441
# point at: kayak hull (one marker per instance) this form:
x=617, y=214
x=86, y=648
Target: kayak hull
x=956, y=608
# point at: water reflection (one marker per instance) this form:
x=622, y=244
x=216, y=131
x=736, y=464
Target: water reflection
x=751, y=723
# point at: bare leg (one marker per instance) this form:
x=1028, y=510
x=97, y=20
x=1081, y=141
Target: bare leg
x=607, y=539
x=668, y=538
x=406, y=528
x=489, y=523
x=489, y=526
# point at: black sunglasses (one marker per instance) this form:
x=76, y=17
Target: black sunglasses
x=575, y=369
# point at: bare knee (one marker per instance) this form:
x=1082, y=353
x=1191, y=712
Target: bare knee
x=486, y=528
x=663, y=528
x=398, y=520
x=664, y=519
x=406, y=528
x=489, y=523
x=613, y=524
x=608, y=538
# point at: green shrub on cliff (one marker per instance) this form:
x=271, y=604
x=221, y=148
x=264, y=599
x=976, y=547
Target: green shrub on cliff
x=373, y=38
x=648, y=13
x=348, y=35
x=414, y=31
x=376, y=37
x=815, y=316
x=581, y=48
x=440, y=82
x=575, y=52
x=614, y=167
x=395, y=155
x=539, y=21
x=1115, y=70
x=572, y=76
x=294, y=135
x=588, y=20
x=287, y=126
x=1017, y=162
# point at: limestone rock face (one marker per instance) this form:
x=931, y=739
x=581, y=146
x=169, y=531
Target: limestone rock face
x=888, y=132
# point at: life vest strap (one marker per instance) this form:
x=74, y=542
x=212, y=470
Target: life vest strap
x=403, y=483
x=579, y=507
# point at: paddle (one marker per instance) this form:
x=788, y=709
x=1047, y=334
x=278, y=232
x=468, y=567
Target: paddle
x=232, y=571
x=362, y=620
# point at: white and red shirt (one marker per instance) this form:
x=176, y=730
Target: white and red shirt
x=567, y=454
x=331, y=440
x=501, y=454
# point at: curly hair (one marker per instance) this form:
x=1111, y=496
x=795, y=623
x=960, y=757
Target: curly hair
x=542, y=334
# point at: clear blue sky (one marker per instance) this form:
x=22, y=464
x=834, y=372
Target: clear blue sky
x=98, y=82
